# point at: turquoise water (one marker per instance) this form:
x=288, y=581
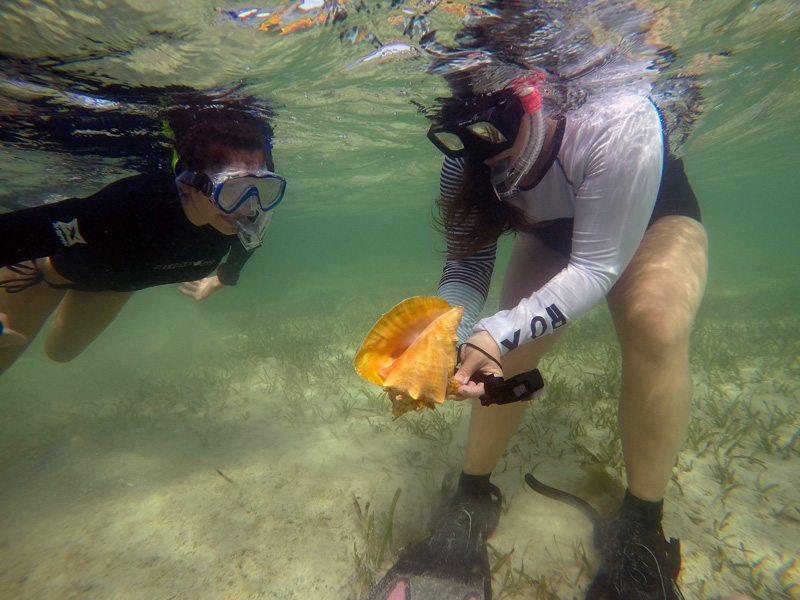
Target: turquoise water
x=107, y=482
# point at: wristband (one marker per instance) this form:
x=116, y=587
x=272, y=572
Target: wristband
x=514, y=389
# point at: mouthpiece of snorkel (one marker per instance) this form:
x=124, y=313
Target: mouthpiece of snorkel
x=505, y=175
x=246, y=226
x=251, y=229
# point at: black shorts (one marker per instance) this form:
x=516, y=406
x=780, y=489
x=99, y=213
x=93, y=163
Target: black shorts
x=675, y=197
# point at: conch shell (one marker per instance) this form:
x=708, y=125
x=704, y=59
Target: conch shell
x=411, y=352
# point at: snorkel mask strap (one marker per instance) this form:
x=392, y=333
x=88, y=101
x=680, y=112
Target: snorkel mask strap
x=197, y=180
x=507, y=175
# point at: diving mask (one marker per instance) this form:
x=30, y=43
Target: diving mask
x=232, y=188
x=478, y=136
x=475, y=135
x=248, y=196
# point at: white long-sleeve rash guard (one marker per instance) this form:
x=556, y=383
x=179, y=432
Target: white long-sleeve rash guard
x=606, y=177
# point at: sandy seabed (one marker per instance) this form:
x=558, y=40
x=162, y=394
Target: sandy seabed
x=274, y=476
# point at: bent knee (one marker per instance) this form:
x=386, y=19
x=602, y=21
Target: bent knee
x=658, y=330
x=62, y=355
x=60, y=352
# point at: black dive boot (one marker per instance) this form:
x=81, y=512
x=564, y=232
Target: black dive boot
x=638, y=562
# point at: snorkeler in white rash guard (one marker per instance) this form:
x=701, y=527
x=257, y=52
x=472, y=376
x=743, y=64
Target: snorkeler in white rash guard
x=596, y=219
x=602, y=209
x=604, y=196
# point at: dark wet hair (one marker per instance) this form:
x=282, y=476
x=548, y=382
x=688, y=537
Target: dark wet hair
x=209, y=143
x=206, y=136
x=475, y=204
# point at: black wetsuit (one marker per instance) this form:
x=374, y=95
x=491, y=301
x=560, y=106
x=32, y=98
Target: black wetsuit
x=130, y=235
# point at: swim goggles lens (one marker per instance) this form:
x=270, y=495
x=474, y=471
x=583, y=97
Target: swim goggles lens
x=487, y=132
x=266, y=188
x=449, y=143
x=454, y=140
x=230, y=190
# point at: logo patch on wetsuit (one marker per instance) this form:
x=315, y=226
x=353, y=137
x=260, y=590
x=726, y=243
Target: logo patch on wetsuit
x=183, y=265
x=68, y=233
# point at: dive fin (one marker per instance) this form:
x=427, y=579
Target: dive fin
x=451, y=564
x=420, y=575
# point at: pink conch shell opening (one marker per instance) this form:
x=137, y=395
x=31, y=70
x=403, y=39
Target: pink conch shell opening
x=411, y=353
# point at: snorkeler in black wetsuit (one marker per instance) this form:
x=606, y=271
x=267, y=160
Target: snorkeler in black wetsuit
x=84, y=257
x=90, y=241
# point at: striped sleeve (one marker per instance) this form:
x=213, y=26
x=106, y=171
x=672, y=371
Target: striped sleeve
x=465, y=282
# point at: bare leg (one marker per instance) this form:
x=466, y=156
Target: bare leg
x=27, y=311
x=531, y=265
x=653, y=305
x=80, y=318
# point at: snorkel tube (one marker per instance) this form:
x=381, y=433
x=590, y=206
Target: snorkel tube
x=506, y=175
